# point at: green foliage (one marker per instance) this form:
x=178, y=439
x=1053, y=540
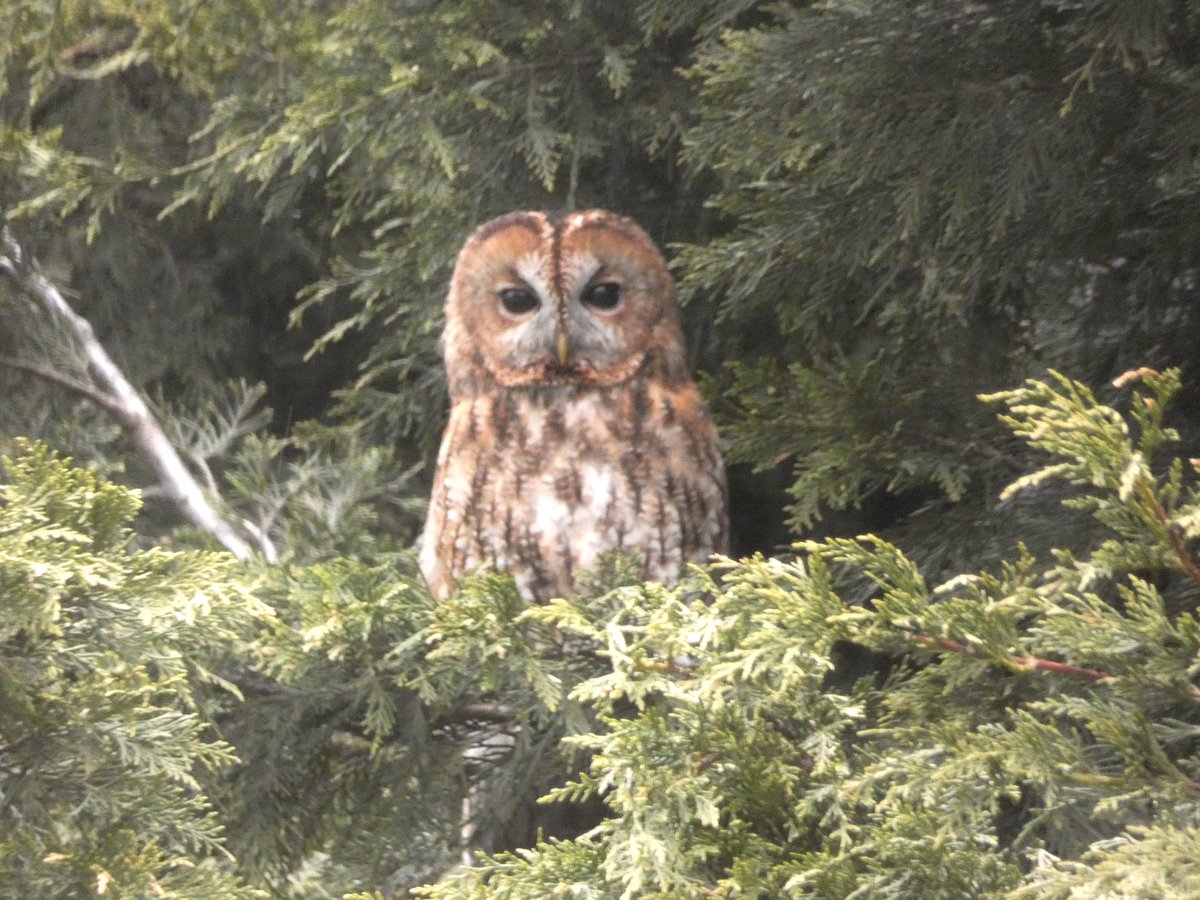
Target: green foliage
x=360, y=694
x=931, y=200
x=171, y=718
x=320, y=493
x=1033, y=733
x=852, y=437
x=103, y=650
x=877, y=210
x=341, y=780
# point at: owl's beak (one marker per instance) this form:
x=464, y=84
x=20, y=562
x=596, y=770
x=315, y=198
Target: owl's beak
x=563, y=346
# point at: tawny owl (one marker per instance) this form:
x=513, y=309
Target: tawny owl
x=575, y=427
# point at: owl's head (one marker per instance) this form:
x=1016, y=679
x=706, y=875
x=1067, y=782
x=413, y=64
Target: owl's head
x=581, y=298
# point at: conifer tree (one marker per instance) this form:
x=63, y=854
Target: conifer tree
x=1034, y=734
x=877, y=211
x=104, y=653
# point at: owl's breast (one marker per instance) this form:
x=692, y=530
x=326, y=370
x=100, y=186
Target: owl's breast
x=539, y=483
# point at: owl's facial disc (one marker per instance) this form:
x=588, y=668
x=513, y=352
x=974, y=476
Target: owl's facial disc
x=579, y=299
x=557, y=321
x=576, y=339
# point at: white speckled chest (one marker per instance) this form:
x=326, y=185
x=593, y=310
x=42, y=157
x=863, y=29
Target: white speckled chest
x=539, y=482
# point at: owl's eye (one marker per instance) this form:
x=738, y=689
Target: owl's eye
x=603, y=296
x=518, y=301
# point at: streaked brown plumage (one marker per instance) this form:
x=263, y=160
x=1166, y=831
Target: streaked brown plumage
x=575, y=427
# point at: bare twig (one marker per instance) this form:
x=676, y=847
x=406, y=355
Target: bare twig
x=116, y=395
x=485, y=712
x=983, y=449
x=72, y=384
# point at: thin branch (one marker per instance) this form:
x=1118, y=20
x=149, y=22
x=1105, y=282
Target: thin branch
x=983, y=449
x=1185, y=558
x=679, y=666
x=53, y=376
x=121, y=399
x=15, y=744
x=548, y=65
x=1026, y=663
x=1117, y=783
x=1023, y=663
x=482, y=711
x=253, y=686
x=1174, y=534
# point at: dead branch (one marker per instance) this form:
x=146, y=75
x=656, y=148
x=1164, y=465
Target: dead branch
x=116, y=395
x=53, y=376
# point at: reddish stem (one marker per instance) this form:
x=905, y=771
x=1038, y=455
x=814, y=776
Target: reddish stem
x=1028, y=663
x=1176, y=538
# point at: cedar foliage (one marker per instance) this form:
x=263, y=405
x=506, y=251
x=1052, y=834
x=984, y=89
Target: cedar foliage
x=1033, y=716
x=104, y=651
x=877, y=211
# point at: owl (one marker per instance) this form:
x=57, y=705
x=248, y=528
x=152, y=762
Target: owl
x=575, y=427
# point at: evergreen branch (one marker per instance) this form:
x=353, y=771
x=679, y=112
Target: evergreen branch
x=1174, y=535
x=489, y=712
x=550, y=65
x=667, y=667
x=126, y=405
x=1018, y=663
x=1185, y=558
x=983, y=449
x=74, y=385
x=16, y=744
x=1026, y=663
x=254, y=686
x=1117, y=783
x=1146, y=490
